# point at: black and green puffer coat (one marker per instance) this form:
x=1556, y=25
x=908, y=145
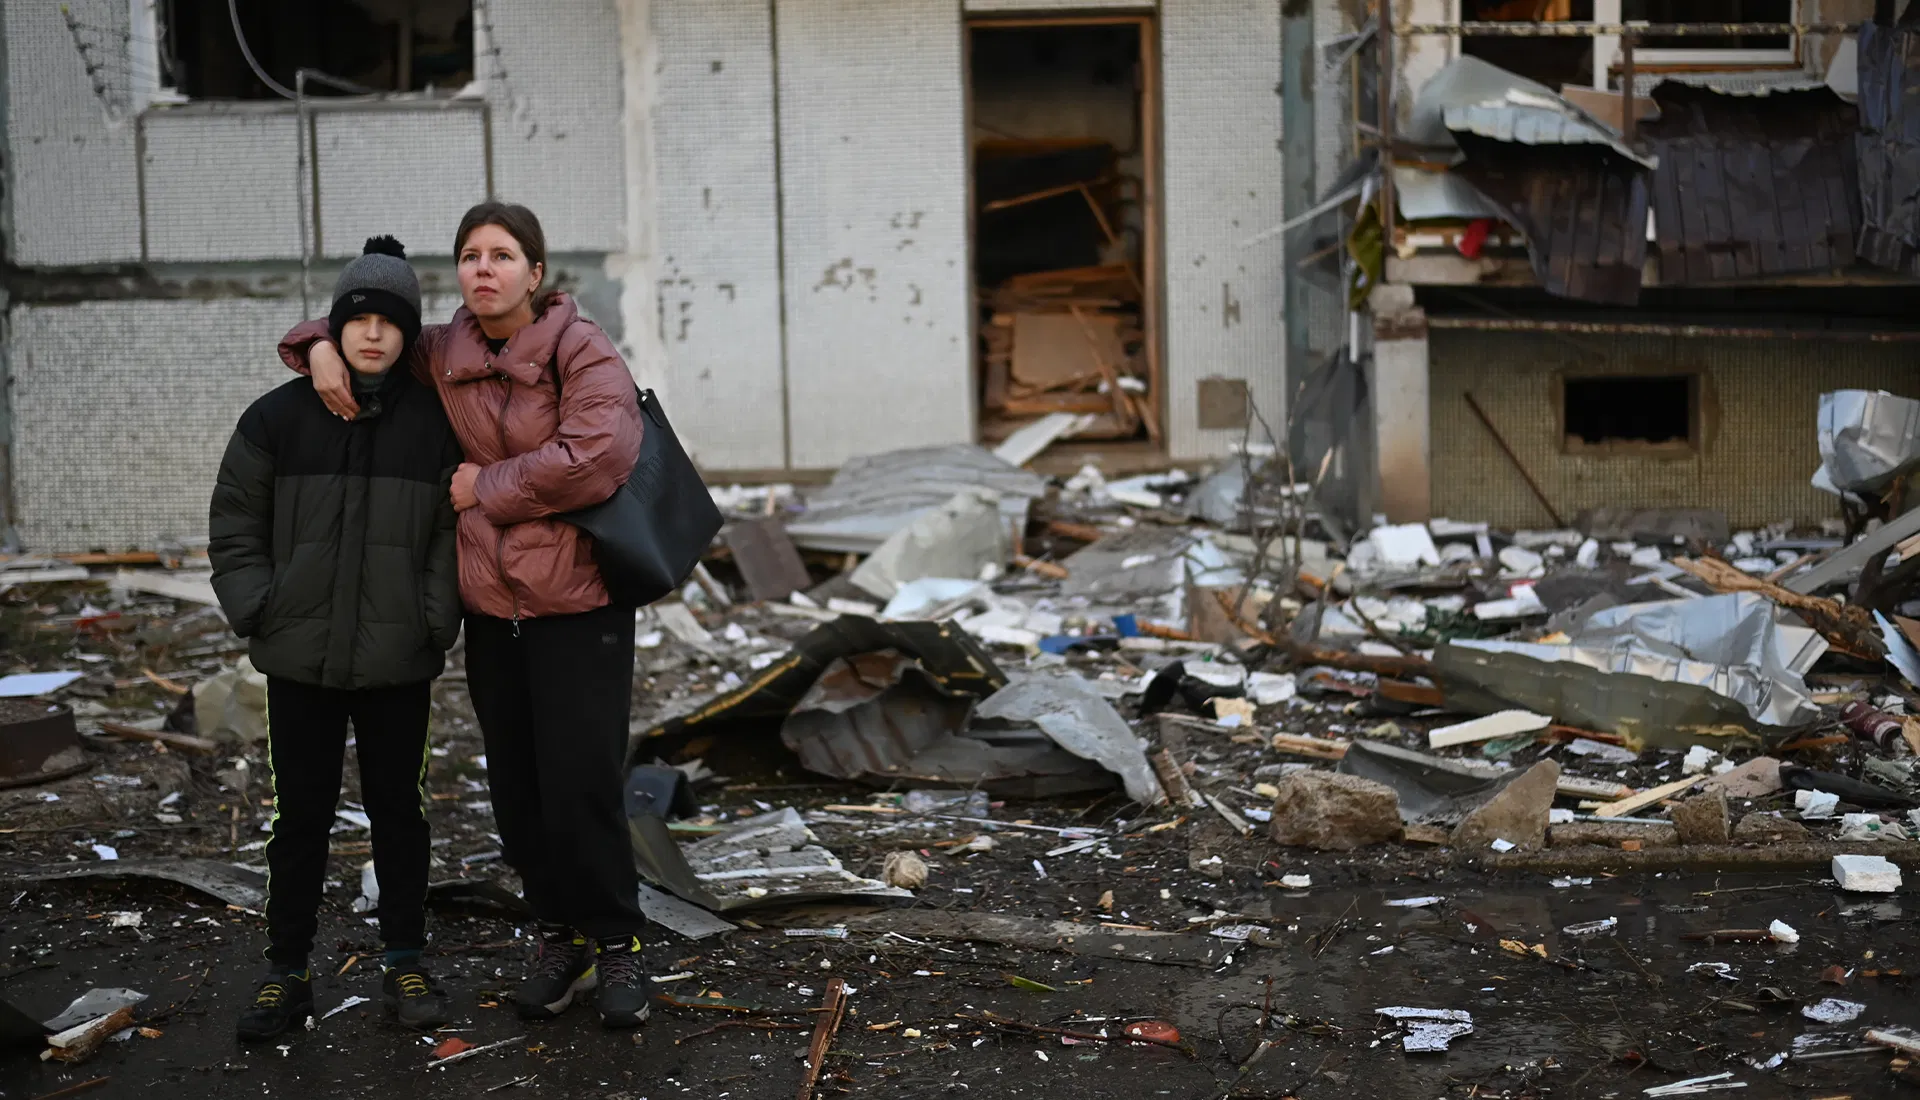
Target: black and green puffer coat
x=333, y=542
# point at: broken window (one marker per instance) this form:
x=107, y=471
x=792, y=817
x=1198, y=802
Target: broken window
x=1631, y=412
x=385, y=45
x=1712, y=51
x=1551, y=61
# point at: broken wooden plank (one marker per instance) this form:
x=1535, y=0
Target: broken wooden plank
x=833, y=1009
x=1648, y=797
x=1574, y=786
x=163, y=737
x=767, y=558
x=1319, y=748
x=1506, y=723
x=82, y=1041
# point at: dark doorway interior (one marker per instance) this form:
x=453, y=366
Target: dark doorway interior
x=1063, y=225
x=1551, y=61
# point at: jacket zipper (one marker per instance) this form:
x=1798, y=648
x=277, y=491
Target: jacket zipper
x=500, y=544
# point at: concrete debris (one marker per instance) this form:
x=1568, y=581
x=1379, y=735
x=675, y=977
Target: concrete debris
x=1832, y=1010
x=1333, y=812
x=1703, y=818
x=1517, y=815
x=1768, y=828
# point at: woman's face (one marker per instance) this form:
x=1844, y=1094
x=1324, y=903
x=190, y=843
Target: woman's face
x=495, y=279
x=371, y=343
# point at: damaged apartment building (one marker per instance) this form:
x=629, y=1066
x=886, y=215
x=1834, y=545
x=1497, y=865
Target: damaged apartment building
x=820, y=228
x=1623, y=246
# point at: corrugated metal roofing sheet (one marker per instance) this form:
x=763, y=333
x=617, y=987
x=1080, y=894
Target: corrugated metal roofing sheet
x=1888, y=147
x=1752, y=186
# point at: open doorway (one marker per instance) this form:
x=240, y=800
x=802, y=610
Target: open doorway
x=1065, y=225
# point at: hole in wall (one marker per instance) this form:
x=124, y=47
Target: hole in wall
x=1631, y=411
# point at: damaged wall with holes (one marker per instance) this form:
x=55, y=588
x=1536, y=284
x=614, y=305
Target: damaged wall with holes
x=1657, y=422
x=154, y=240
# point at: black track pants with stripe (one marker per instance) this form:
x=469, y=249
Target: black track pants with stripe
x=307, y=746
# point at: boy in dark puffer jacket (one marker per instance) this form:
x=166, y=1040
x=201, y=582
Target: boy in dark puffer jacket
x=333, y=553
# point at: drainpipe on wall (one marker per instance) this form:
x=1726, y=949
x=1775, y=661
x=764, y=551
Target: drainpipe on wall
x=1297, y=190
x=9, y=538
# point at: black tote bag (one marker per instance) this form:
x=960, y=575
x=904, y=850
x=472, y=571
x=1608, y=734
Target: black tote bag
x=653, y=530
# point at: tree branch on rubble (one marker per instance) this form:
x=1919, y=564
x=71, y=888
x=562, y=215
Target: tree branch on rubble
x=1849, y=628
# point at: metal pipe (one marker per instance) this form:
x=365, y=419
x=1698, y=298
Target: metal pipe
x=1386, y=34
x=1657, y=328
x=1644, y=30
x=1628, y=123
x=300, y=188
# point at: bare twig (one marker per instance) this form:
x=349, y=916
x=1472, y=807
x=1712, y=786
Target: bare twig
x=168, y=1011
x=748, y=1025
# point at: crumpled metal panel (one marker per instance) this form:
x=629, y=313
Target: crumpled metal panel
x=873, y=496
x=880, y=718
x=769, y=859
x=1867, y=438
x=1477, y=97
x=1079, y=719
x=1889, y=147
x=1661, y=673
x=952, y=657
x=225, y=881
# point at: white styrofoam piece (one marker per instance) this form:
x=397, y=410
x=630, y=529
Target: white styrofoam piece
x=1866, y=874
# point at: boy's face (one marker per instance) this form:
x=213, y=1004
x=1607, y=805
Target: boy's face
x=371, y=343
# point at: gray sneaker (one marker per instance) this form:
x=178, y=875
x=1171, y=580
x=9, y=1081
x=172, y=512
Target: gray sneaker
x=562, y=970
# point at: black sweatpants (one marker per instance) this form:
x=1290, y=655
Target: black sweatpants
x=306, y=746
x=552, y=696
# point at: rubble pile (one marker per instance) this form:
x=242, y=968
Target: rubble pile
x=967, y=737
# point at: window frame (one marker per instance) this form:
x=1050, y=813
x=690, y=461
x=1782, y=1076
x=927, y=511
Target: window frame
x=1606, y=50
x=146, y=89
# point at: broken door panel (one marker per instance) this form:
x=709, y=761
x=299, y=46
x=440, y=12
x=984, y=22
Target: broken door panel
x=719, y=248
x=873, y=184
x=1221, y=103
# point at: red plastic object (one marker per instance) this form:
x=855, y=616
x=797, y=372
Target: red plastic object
x=1475, y=237
x=1157, y=1030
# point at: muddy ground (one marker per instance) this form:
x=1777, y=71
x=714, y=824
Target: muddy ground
x=1554, y=1015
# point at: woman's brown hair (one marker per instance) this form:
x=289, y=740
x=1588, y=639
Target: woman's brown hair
x=523, y=226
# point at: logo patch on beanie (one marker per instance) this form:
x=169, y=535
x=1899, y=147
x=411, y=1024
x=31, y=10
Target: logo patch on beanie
x=358, y=298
